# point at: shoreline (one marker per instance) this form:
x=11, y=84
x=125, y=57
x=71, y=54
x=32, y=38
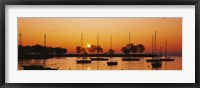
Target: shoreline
x=84, y=55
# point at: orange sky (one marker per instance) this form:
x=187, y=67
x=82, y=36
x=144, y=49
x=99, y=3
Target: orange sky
x=66, y=32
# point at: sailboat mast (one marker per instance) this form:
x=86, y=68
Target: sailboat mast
x=155, y=42
x=152, y=46
x=20, y=39
x=166, y=48
x=82, y=40
x=44, y=40
x=97, y=39
x=129, y=37
x=44, y=46
x=129, y=43
x=97, y=43
x=82, y=46
x=160, y=51
x=111, y=42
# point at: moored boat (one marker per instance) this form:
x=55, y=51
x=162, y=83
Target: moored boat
x=130, y=59
x=166, y=57
x=83, y=61
x=38, y=67
x=154, y=59
x=99, y=59
x=156, y=64
x=112, y=63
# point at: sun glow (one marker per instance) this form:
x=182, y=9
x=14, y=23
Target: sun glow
x=88, y=45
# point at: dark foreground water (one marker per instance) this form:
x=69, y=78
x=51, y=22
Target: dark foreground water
x=69, y=63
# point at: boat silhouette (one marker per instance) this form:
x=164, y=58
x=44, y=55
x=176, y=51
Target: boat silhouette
x=156, y=64
x=98, y=59
x=130, y=59
x=111, y=63
x=157, y=59
x=83, y=60
x=166, y=57
x=39, y=67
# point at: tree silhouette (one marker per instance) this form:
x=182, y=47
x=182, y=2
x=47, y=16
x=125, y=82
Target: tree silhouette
x=140, y=48
x=92, y=49
x=51, y=50
x=59, y=50
x=40, y=50
x=132, y=48
x=125, y=50
x=111, y=51
x=24, y=50
x=99, y=49
x=78, y=49
x=83, y=50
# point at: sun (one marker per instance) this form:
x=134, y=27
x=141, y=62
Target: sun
x=88, y=45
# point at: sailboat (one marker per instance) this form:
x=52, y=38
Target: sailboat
x=110, y=63
x=98, y=58
x=167, y=58
x=38, y=67
x=130, y=58
x=83, y=60
x=154, y=59
x=156, y=64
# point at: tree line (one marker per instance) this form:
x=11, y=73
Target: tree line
x=92, y=50
x=129, y=48
x=40, y=50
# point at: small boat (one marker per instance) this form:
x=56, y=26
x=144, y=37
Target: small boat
x=156, y=64
x=167, y=59
x=99, y=59
x=160, y=59
x=130, y=59
x=38, y=67
x=83, y=61
x=112, y=63
x=154, y=60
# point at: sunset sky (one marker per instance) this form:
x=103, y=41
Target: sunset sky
x=66, y=32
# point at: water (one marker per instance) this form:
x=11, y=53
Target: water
x=69, y=63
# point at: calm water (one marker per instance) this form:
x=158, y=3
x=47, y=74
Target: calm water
x=69, y=63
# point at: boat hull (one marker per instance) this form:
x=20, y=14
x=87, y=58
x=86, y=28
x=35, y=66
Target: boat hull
x=37, y=68
x=157, y=60
x=112, y=63
x=99, y=59
x=167, y=59
x=130, y=59
x=156, y=65
x=83, y=61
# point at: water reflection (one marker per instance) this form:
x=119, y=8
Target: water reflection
x=69, y=63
